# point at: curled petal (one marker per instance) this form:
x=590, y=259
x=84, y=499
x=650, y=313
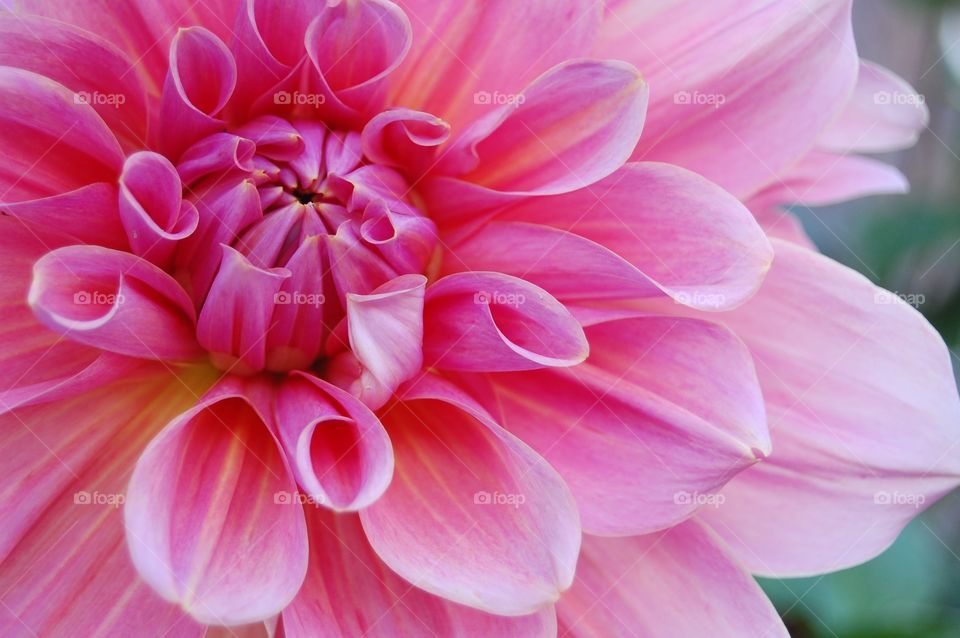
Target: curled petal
x=472, y=515
x=404, y=138
x=485, y=321
x=113, y=301
x=200, y=81
x=339, y=451
x=152, y=210
x=212, y=515
x=215, y=154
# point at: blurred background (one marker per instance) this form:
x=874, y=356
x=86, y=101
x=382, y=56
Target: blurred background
x=910, y=245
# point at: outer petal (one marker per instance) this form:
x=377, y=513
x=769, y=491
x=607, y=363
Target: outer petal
x=210, y=516
x=751, y=96
x=339, y=451
x=113, y=301
x=574, y=125
x=66, y=465
x=350, y=592
x=487, y=321
x=468, y=54
x=670, y=408
x=680, y=582
x=863, y=413
x=672, y=233
x=884, y=114
x=51, y=141
x=472, y=515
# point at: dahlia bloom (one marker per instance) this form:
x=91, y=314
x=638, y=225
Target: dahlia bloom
x=445, y=317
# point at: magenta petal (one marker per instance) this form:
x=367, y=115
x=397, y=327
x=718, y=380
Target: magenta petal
x=682, y=582
x=215, y=154
x=151, y=207
x=237, y=312
x=670, y=408
x=404, y=138
x=573, y=126
x=200, y=81
x=88, y=214
x=339, y=451
x=113, y=301
x=212, y=516
x=342, y=563
x=486, y=321
x=472, y=515
x=386, y=329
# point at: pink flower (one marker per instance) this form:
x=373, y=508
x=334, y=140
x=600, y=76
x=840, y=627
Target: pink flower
x=354, y=318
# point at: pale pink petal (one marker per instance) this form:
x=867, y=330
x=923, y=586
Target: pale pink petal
x=151, y=208
x=751, y=95
x=90, y=66
x=237, y=312
x=488, y=321
x=469, y=54
x=660, y=230
x=472, y=514
x=350, y=592
x=386, y=329
x=200, y=81
x=211, y=515
x=88, y=215
x=67, y=465
x=863, y=413
x=573, y=126
x=670, y=408
x=114, y=301
x=339, y=451
x=51, y=141
x=884, y=114
x=354, y=47
x=680, y=582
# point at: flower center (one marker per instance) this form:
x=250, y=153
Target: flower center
x=271, y=274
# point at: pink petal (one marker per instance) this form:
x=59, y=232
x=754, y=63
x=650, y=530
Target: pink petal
x=863, y=413
x=884, y=114
x=466, y=51
x=152, y=209
x=573, y=126
x=350, y=592
x=339, y=451
x=487, y=321
x=472, y=514
x=669, y=408
x=212, y=518
x=96, y=72
x=354, y=47
x=672, y=233
x=113, y=301
x=88, y=214
x=407, y=241
x=67, y=464
x=200, y=81
x=386, y=329
x=236, y=314
x=405, y=139
x=678, y=583
x=217, y=153
x=752, y=95
x=51, y=141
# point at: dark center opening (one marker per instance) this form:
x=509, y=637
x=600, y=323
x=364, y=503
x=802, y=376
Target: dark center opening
x=304, y=197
